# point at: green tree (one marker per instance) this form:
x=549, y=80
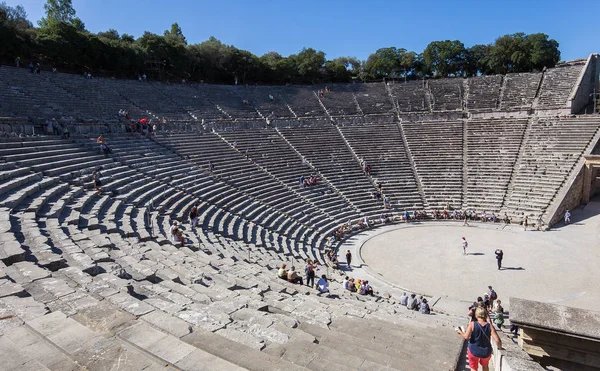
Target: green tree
x=445, y=58
x=175, y=34
x=309, y=63
x=15, y=17
x=544, y=51
x=383, y=63
x=61, y=11
x=111, y=34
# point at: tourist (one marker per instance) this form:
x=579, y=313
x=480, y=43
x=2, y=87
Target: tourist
x=350, y=286
x=465, y=244
x=540, y=223
x=173, y=230
x=322, y=285
x=17, y=62
x=211, y=167
x=345, y=283
x=412, y=302
x=348, y=258
x=525, y=222
x=194, y=216
x=309, y=272
x=97, y=182
x=499, y=255
x=293, y=277
x=567, y=217
x=66, y=134
x=333, y=258
x=403, y=299
x=424, y=307
x=492, y=296
x=498, y=315
x=479, y=347
x=366, y=289
x=281, y=273
x=506, y=219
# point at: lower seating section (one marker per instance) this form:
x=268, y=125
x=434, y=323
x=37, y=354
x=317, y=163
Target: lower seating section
x=280, y=209
x=325, y=150
x=519, y=90
x=94, y=280
x=437, y=150
x=447, y=94
x=492, y=150
x=410, y=96
x=551, y=149
x=84, y=286
x=484, y=92
x=382, y=148
x=269, y=150
x=557, y=85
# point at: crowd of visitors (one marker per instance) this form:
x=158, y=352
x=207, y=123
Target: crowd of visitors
x=308, y=181
x=483, y=314
x=411, y=302
x=53, y=127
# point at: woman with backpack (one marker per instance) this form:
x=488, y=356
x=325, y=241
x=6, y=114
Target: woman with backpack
x=479, y=334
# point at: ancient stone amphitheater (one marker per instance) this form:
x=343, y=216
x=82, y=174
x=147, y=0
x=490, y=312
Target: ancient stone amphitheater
x=93, y=281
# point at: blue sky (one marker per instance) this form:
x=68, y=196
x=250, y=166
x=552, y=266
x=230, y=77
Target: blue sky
x=344, y=28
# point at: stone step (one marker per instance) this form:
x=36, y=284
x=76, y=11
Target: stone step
x=87, y=348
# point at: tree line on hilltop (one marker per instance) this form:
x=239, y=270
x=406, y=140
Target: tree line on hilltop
x=61, y=41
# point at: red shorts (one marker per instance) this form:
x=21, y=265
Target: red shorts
x=474, y=362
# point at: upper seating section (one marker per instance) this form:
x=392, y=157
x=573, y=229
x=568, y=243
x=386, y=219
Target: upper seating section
x=520, y=90
x=484, y=92
x=231, y=100
x=339, y=100
x=373, y=99
x=149, y=98
x=446, y=94
x=72, y=97
x=410, y=96
x=32, y=95
x=192, y=99
x=557, y=85
x=302, y=100
x=259, y=97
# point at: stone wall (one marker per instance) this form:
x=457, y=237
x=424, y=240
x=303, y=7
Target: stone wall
x=571, y=198
x=580, y=97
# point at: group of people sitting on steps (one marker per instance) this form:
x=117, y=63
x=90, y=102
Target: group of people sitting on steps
x=292, y=276
x=413, y=303
x=359, y=286
x=308, y=181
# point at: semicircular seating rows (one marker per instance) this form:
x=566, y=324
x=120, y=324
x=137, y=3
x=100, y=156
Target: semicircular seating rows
x=98, y=283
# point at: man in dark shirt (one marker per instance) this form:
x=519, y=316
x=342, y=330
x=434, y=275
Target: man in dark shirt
x=348, y=258
x=499, y=256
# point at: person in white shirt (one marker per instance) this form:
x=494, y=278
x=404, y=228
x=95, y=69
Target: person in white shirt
x=172, y=231
x=465, y=244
